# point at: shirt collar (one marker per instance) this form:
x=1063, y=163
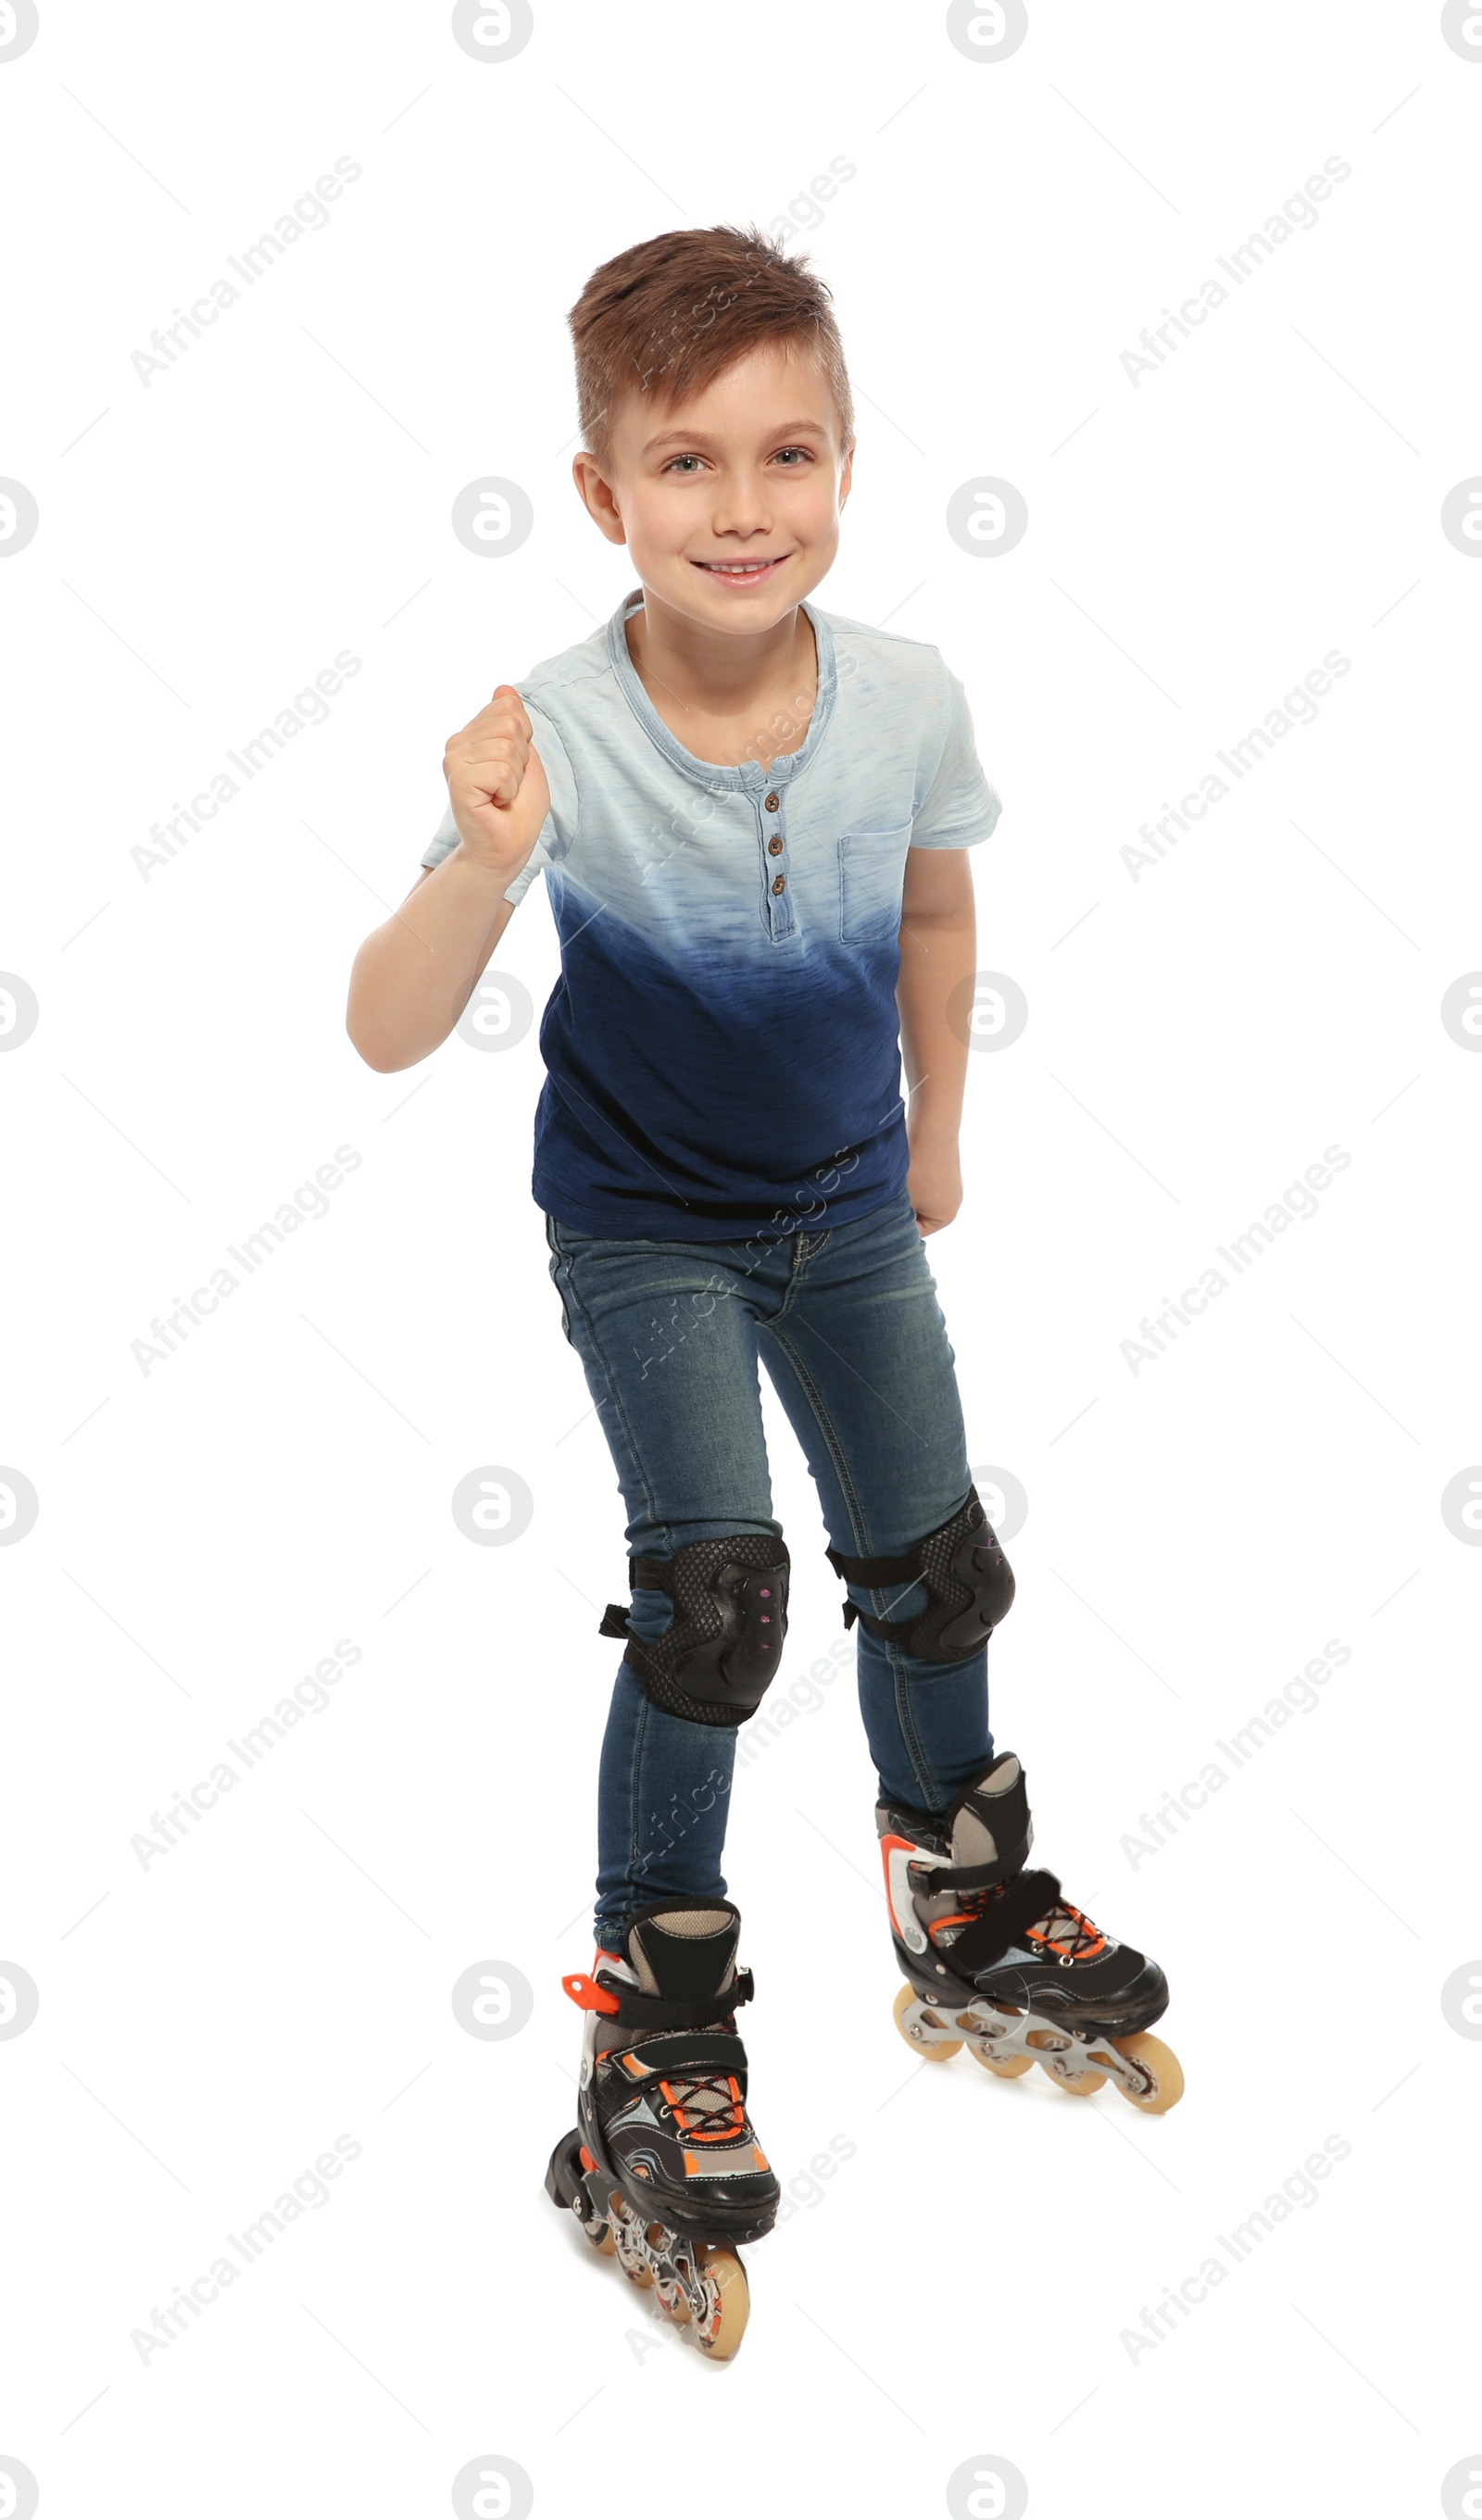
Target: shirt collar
x=744, y=775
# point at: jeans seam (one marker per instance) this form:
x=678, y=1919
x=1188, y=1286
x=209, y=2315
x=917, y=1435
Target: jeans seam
x=634, y=1849
x=794, y=1283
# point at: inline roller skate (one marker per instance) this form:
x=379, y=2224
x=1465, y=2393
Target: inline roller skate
x=996, y=1959
x=663, y=2168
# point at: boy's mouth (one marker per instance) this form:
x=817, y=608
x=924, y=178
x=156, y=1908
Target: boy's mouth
x=744, y=572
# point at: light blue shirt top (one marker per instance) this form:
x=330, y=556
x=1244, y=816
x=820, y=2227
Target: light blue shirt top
x=722, y=1047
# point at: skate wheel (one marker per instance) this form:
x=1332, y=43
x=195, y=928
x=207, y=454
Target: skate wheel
x=1143, y=2049
x=601, y=2240
x=1050, y=2046
x=936, y=2051
x=721, y=2331
x=1079, y=2085
x=1007, y=2068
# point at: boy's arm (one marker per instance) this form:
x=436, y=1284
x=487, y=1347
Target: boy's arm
x=938, y=952
x=414, y=976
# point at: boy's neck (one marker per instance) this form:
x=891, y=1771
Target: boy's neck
x=728, y=698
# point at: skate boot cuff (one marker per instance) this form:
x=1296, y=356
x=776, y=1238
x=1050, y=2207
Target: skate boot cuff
x=998, y=1819
x=679, y=1972
x=977, y=1819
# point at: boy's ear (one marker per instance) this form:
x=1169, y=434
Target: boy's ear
x=595, y=491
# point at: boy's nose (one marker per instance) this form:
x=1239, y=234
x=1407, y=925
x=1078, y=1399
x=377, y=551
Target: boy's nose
x=740, y=508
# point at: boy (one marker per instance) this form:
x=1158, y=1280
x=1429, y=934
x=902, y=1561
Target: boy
x=753, y=820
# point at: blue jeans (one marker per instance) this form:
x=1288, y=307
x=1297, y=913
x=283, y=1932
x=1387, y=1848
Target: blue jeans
x=847, y=1323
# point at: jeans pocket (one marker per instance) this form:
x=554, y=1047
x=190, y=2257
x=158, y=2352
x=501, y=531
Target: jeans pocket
x=872, y=871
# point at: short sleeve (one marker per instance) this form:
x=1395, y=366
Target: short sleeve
x=958, y=806
x=556, y=832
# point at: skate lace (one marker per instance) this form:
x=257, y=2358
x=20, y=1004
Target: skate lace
x=1062, y=1930
x=707, y=2108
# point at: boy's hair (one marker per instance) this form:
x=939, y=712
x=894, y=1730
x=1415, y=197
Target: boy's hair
x=669, y=316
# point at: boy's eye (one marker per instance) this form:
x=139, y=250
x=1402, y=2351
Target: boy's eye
x=803, y=453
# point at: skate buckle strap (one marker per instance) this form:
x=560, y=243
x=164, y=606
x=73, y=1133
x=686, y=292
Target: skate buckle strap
x=613, y=1997
x=721, y=2053
x=1030, y=1900
x=964, y=1876
x=1004, y=1920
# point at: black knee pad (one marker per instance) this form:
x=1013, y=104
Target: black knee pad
x=718, y=1655
x=969, y=1580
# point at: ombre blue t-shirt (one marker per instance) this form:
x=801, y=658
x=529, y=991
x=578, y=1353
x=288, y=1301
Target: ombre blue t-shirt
x=722, y=1047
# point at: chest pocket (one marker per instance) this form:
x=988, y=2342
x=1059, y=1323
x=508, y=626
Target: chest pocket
x=871, y=869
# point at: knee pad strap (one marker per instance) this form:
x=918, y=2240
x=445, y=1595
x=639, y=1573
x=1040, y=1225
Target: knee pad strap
x=715, y=1660
x=969, y=1580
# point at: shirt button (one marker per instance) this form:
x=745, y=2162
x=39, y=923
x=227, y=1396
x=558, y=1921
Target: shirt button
x=779, y=883
x=775, y=844
x=770, y=803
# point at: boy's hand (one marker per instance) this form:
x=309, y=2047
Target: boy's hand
x=934, y=1184
x=496, y=785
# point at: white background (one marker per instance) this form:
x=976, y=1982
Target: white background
x=1197, y=1529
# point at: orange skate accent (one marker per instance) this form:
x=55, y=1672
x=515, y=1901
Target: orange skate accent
x=585, y=1992
x=897, y=1847
x=887, y=1845
x=586, y=2159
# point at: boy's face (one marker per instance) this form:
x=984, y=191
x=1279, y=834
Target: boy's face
x=729, y=504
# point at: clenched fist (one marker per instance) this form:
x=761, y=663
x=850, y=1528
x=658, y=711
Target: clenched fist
x=496, y=785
